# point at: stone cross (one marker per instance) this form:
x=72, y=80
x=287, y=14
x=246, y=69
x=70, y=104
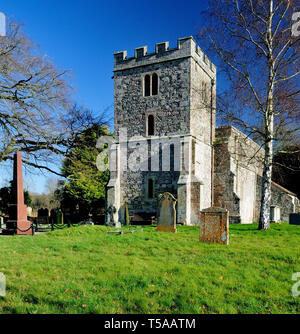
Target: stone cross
x=166, y=218
x=18, y=222
x=214, y=225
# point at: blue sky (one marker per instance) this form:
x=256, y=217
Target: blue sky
x=83, y=35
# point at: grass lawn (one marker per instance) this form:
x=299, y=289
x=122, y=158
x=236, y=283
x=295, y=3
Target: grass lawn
x=84, y=270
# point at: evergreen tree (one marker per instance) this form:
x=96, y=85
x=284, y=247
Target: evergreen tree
x=85, y=185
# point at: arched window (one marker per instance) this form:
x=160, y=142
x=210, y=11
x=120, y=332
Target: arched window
x=150, y=188
x=147, y=85
x=150, y=125
x=154, y=84
x=151, y=84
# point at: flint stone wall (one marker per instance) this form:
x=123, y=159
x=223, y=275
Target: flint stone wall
x=238, y=171
x=178, y=111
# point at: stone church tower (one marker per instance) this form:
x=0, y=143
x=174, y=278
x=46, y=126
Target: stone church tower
x=164, y=130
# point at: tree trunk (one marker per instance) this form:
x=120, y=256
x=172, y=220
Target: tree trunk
x=264, y=220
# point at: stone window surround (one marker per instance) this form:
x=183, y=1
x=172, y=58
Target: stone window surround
x=143, y=83
x=150, y=113
x=146, y=185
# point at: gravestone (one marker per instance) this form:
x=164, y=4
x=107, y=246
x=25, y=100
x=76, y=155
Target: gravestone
x=40, y=212
x=43, y=212
x=59, y=217
x=53, y=216
x=166, y=216
x=18, y=222
x=295, y=219
x=111, y=214
x=214, y=225
x=67, y=216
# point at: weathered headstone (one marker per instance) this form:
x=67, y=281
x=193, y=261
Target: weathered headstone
x=214, y=225
x=295, y=219
x=18, y=222
x=111, y=217
x=166, y=217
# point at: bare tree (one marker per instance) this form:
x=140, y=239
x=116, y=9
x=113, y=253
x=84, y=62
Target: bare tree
x=35, y=102
x=51, y=185
x=37, y=115
x=259, y=65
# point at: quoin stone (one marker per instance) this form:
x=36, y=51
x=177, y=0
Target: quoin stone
x=166, y=221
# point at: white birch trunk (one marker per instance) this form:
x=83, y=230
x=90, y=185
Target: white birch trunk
x=266, y=193
x=264, y=220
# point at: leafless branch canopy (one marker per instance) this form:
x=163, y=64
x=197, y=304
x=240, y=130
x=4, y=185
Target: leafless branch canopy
x=37, y=116
x=248, y=37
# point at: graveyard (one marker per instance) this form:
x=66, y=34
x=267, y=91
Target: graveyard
x=162, y=268
x=171, y=185
x=86, y=270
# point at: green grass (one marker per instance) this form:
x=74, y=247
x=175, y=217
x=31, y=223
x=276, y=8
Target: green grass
x=84, y=270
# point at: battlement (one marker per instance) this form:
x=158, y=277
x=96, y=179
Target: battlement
x=186, y=47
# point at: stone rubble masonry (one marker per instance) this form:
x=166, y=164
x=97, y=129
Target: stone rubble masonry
x=238, y=171
x=186, y=48
x=238, y=160
x=183, y=111
x=282, y=198
x=179, y=113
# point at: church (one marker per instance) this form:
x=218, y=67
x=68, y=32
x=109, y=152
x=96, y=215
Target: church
x=166, y=140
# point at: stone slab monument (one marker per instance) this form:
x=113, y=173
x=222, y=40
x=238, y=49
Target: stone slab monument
x=295, y=219
x=214, y=225
x=166, y=217
x=18, y=222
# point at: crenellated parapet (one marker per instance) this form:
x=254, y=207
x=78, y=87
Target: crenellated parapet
x=186, y=47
